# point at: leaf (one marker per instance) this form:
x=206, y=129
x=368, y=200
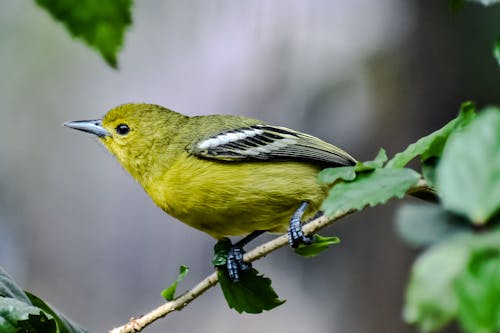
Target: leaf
x=378, y=162
x=221, y=249
x=319, y=245
x=432, y=145
x=369, y=189
x=17, y=316
x=9, y=289
x=429, y=170
x=430, y=299
x=468, y=176
x=331, y=175
x=101, y=24
x=348, y=173
x=426, y=224
x=251, y=294
x=478, y=292
x=25, y=312
x=496, y=50
x=64, y=325
x=169, y=293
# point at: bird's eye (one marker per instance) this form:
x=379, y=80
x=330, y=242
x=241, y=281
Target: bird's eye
x=122, y=129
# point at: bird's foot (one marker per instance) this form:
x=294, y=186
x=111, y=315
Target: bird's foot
x=235, y=264
x=295, y=234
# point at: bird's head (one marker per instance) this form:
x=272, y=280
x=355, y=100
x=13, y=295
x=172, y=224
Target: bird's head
x=135, y=133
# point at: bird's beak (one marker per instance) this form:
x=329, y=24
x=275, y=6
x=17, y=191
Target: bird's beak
x=90, y=126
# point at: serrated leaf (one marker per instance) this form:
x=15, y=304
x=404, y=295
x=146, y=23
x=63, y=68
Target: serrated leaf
x=496, y=50
x=331, y=175
x=369, y=189
x=431, y=302
x=251, y=294
x=101, y=24
x=478, y=293
x=17, y=316
x=432, y=145
x=319, y=245
x=348, y=173
x=378, y=162
x=169, y=293
x=468, y=176
x=425, y=224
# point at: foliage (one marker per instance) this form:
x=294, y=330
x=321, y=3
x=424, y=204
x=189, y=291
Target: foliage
x=458, y=276
x=319, y=245
x=101, y=24
x=469, y=173
x=22, y=311
x=252, y=293
x=169, y=293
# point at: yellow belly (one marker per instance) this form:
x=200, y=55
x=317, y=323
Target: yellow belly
x=236, y=198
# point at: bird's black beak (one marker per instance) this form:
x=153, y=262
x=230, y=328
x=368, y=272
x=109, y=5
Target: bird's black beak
x=90, y=126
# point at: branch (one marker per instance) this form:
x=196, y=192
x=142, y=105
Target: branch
x=138, y=324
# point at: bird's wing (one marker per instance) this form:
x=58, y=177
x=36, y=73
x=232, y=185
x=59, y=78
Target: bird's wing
x=266, y=142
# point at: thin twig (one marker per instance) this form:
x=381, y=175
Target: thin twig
x=138, y=324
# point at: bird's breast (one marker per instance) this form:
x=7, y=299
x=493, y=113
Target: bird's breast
x=236, y=198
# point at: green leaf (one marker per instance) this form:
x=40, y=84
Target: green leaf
x=331, y=175
x=17, y=316
x=478, y=292
x=64, y=325
x=432, y=145
x=319, y=245
x=468, y=176
x=251, y=294
x=25, y=312
x=430, y=299
x=369, y=189
x=429, y=170
x=8, y=288
x=496, y=50
x=348, y=173
x=425, y=224
x=221, y=249
x=169, y=293
x=377, y=163
x=101, y=24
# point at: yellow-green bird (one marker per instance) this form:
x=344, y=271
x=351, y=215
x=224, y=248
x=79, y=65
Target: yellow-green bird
x=222, y=174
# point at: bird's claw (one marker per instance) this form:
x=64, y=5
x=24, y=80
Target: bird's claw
x=295, y=234
x=235, y=264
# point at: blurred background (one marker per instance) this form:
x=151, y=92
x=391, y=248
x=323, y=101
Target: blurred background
x=76, y=230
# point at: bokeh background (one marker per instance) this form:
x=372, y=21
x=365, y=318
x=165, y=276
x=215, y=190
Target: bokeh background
x=76, y=230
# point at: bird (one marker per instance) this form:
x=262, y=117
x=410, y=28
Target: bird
x=225, y=175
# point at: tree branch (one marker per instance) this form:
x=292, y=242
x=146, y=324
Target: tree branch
x=138, y=324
